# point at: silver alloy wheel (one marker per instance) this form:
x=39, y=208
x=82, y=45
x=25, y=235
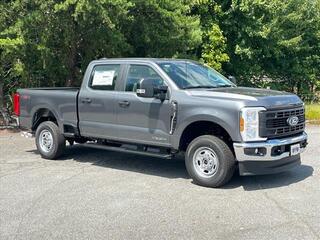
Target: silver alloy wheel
x=205, y=162
x=45, y=140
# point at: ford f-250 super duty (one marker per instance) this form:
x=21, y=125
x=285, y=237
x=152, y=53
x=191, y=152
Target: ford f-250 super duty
x=159, y=107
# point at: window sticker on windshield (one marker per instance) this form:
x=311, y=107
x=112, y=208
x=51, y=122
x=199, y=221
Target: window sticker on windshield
x=103, y=78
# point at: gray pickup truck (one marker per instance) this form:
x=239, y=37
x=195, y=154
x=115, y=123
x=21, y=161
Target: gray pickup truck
x=162, y=107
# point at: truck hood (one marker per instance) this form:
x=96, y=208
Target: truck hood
x=252, y=96
x=253, y=92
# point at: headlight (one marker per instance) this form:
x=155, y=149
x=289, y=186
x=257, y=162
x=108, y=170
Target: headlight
x=249, y=124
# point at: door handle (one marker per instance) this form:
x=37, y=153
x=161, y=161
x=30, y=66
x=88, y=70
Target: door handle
x=86, y=100
x=124, y=103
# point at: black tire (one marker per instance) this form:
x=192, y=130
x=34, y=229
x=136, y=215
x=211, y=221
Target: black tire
x=58, y=140
x=225, y=158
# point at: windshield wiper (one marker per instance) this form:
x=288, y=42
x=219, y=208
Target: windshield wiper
x=225, y=85
x=199, y=86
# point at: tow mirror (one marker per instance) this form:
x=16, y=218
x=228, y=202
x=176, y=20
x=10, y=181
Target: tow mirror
x=148, y=89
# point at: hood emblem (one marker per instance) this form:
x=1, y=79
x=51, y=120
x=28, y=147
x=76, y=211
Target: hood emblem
x=293, y=121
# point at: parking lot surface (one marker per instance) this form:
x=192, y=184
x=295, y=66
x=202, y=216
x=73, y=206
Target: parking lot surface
x=96, y=194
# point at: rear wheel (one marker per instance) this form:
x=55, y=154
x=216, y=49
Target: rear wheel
x=209, y=161
x=49, y=140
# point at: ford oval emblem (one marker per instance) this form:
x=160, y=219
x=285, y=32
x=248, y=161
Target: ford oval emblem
x=293, y=120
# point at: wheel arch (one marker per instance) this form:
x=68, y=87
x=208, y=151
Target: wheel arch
x=203, y=126
x=43, y=113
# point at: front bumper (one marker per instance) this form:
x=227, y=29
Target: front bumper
x=270, y=156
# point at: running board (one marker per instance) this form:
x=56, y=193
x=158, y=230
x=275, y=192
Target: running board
x=125, y=150
x=67, y=134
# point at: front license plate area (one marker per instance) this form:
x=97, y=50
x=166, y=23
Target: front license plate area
x=295, y=149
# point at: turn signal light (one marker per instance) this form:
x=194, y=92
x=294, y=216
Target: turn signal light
x=241, y=124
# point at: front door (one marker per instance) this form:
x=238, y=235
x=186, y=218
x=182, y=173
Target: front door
x=142, y=120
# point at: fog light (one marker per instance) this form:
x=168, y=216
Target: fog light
x=261, y=151
x=278, y=150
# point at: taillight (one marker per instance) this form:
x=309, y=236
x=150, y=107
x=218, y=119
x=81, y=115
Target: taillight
x=16, y=104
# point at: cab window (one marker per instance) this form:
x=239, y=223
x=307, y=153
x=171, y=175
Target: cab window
x=137, y=73
x=104, y=77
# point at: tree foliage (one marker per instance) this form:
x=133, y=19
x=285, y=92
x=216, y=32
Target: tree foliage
x=263, y=43
x=276, y=40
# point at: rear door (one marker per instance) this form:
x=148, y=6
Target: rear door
x=142, y=120
x=97, y=116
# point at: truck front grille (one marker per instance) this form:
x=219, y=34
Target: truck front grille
x=274, y=123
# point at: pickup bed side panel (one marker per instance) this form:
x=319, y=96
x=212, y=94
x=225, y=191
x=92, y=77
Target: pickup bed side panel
x=61, y=102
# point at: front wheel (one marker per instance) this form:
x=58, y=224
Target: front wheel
x=49, y=140
x=209, y=161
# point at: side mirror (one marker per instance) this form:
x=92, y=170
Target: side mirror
x=233, y=79
x=148, y=89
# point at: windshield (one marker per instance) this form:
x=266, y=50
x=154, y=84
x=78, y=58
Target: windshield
x=193, y=75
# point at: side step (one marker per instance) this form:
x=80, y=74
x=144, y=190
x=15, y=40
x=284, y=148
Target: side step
x=126, y=150
x=70, y=135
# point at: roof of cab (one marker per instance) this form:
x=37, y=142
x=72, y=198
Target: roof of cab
x=139, y=59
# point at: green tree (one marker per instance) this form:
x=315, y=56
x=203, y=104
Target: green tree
x=162, y=28
x=50, y=43
x=273, y=39
x=213, y=49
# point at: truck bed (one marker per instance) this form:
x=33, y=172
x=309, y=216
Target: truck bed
x=62, y=102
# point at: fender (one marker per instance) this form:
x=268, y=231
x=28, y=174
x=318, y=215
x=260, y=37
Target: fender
x=46, y=106
x=197, y=118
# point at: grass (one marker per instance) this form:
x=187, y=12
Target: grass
x=313, y=112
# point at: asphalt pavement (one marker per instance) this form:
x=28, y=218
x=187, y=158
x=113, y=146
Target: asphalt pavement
x=96, y=194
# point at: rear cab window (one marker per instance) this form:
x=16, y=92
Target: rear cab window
x=104, y=77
